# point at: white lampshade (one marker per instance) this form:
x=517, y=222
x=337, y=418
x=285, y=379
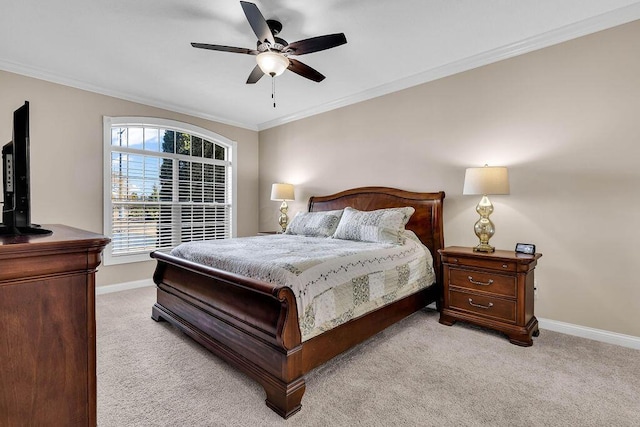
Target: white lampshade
x=282, y=192
x=272, y=63
x=486, y=180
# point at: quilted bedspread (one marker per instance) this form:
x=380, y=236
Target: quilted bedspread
x=334, y=280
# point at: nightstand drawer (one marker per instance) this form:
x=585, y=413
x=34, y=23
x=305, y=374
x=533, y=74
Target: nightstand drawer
x=482, y=263
x=494, y=290
x=483, y=281
x=497, y=308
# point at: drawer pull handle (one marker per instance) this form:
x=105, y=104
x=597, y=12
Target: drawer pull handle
x=505, y=266
x=475, y=282
x=480, y=305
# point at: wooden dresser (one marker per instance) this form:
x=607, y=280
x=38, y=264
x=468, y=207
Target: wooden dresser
x=47, y=328
x=494, y=290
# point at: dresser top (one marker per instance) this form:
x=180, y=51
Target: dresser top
x=62, y=235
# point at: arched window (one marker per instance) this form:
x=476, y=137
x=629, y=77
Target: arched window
x=165, y=182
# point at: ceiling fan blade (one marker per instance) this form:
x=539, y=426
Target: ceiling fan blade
x=257, y=22
x=316, y=44
x=255, y=75
x=225, y=48
x=304, y=70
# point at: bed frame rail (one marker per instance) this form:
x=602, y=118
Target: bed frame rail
x=250, y=324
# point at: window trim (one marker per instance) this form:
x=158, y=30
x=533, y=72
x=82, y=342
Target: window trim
x=108, y=122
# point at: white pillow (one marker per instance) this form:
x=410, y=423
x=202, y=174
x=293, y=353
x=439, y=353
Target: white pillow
x=315, y=224
x=382, y=225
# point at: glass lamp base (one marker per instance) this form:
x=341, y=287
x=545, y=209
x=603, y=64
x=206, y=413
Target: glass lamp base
x=283, y=220
x=484, y=228
x=484, y=248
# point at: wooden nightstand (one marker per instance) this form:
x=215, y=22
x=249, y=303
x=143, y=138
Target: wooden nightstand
x=494, y=290
x=267, y=233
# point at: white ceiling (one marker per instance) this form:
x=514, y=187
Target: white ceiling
x=139, y=50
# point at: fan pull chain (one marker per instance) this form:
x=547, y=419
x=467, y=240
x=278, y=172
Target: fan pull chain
x=273, y=90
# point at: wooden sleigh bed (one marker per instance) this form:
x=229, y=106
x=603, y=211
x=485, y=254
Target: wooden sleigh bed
x=254, y=325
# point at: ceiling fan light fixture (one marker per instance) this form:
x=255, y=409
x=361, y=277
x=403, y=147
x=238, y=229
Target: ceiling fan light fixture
x=272, y=63
x=272, y=53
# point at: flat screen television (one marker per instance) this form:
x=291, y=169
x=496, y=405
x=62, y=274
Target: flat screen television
x=16, y=209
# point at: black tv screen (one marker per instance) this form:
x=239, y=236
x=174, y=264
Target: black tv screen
x=16, y=209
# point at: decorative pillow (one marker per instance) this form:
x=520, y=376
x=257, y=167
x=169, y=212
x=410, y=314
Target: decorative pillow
x=382, y=225
x=315, y=224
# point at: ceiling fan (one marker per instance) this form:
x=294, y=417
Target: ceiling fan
x=273, y=54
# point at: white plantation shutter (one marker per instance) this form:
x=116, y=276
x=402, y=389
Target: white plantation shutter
x=166, y=183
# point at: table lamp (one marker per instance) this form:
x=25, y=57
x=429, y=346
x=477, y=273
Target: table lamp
x=282, y=192
x=486, y=180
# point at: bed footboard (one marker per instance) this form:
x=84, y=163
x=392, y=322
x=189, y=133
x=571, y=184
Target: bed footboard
x=251, y=324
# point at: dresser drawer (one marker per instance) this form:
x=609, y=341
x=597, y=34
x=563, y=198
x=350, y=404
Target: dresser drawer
x=486, y=306
x=485, y=263
x=483, y=281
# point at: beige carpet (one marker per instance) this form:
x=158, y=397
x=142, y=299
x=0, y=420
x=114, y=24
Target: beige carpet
x=417, y=372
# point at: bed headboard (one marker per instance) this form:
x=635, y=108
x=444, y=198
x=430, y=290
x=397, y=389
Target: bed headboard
x=426, y=222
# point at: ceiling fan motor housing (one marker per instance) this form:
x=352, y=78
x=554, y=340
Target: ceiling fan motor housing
x=274, y=26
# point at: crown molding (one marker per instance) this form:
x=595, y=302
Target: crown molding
x=597, y=23
x=42, y=74
x=569, y=32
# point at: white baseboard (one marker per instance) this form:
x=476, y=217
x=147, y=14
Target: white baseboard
x=590, y=333
x=551, y=325
x=100, y=290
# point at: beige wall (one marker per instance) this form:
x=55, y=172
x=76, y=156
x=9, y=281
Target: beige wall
x=565, y=120
x=66, y=158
